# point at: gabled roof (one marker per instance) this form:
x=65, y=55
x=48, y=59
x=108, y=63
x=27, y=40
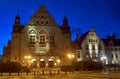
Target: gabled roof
x=83, y=36
x=42, y=17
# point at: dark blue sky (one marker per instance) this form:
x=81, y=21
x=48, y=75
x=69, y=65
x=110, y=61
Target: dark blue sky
x=103, y=15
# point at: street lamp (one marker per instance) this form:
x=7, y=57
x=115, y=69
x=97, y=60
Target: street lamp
x=58, y=61
x=71, y=56
x=28, y=59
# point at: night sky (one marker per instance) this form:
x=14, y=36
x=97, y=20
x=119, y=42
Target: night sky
x=103, y=15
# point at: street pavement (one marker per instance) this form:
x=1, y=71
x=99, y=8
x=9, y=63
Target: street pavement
x=84, y=75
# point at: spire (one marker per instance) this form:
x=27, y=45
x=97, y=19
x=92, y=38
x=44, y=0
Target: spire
x=65, y=21
x=17, y=19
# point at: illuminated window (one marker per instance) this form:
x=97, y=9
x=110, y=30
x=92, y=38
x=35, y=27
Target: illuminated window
x=93, y=47
x=78, y=55
x=116, y=55
x=86, y=47
x=32, y=38
x=42, y=39
x=52, y=40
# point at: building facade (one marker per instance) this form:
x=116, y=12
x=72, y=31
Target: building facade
x=42, y=43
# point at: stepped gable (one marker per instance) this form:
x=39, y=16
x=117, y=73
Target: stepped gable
x=42, y=18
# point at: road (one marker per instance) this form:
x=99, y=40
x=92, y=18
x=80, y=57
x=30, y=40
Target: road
x=101, y=75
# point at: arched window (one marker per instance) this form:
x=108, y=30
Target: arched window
x=34, y=63
x=42, y=37
x=32, y=37
x=51, y=62
x=42, y=63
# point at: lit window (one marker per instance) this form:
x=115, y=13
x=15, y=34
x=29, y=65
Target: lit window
x=78, y=55
x=93, y=47
x=116, y=55
x=32, y=38
x=86, y=47
x=42, y=39
x=52, y=40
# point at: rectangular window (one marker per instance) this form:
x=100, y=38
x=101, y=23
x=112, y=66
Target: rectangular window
x=42, y=39
x=86, y=47
x=52, y=40
x=78, y=55
x=93, y=47
x=32, y=38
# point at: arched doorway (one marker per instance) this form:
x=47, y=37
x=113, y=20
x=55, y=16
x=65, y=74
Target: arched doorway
x=42, y=63
x=34, y=63
x=51, y=62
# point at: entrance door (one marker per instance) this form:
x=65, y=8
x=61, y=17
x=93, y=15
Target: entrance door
x=34, y=64
x=42, y=63
x=51, y=62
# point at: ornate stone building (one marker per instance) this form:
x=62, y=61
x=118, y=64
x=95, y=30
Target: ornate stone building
x=42, y=43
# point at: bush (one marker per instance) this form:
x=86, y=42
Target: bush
x=67, y=68
x=10, y=67
x=87, y=65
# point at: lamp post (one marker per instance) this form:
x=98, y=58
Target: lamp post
x=58, y=62
x=71, y=56
x=28, y=59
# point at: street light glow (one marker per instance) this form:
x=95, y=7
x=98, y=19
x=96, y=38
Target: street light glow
x=70, y=56
x=58, y=61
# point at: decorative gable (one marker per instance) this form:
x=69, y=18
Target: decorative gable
x=42, y=18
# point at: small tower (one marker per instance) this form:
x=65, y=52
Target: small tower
x=17, y=25
x=65, y=26
x=66, y=32
x=65, y=21
x=17, y=19
x=15, y=55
